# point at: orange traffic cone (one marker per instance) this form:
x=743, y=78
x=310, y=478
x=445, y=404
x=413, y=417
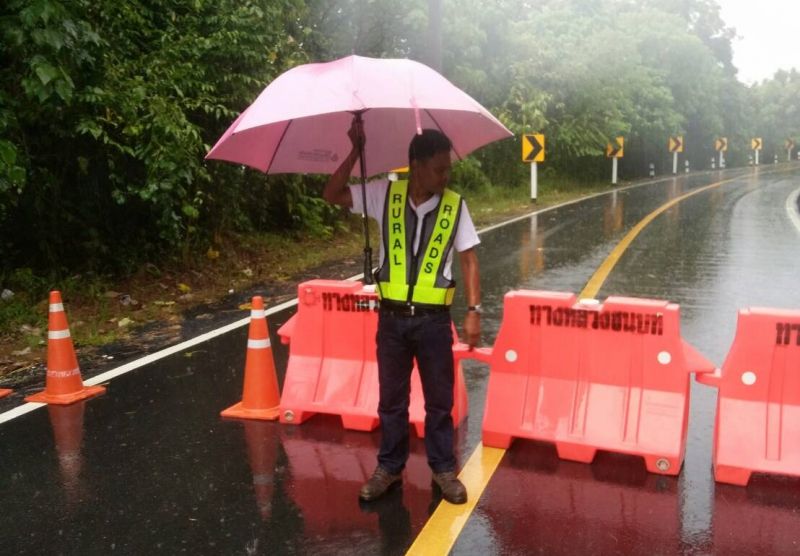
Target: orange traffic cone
x=261, y=398
x=64, y=384
x=5, y=392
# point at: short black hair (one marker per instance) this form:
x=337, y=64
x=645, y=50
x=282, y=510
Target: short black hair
x=427, y=144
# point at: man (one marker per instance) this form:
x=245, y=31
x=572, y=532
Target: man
x=421, y=224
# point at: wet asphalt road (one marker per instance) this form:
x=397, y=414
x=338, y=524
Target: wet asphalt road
x=150, y=467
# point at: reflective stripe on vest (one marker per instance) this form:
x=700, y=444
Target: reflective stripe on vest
x=396, y=252
x=428, y=286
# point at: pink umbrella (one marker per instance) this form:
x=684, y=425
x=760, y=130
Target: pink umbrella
x=299, y=123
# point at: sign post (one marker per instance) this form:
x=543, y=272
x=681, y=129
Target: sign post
x=755, y=144
x=675, y=146
x=533, y=152
x=789, y=146
x=721, y=145
x=614, y=152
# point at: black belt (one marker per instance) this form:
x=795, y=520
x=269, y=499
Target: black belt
x=409, y=310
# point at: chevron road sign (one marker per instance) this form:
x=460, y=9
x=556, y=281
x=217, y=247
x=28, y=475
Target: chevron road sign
x=755, y=144
x=675, y=146
x=533, y=147
x=616, y=151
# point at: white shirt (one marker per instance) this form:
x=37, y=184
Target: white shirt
x=466, y=236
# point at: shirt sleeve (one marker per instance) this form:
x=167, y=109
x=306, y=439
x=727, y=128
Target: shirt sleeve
x=376, y=195
x=466, y=236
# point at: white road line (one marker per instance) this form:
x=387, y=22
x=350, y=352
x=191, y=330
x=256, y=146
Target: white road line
x=580, y=200
x=128, y=367
x=567, y=203
x=792, y=208
x=19, y=411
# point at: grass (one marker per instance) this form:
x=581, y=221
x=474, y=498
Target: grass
x=492, y=205
x=102, y=310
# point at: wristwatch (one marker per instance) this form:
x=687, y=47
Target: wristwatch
x=475, y=308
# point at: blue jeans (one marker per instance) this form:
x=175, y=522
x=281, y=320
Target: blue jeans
x=429, y=339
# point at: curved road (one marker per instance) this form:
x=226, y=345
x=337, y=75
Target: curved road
x=149, y=466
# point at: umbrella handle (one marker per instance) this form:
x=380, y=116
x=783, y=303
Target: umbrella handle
x=368, y=279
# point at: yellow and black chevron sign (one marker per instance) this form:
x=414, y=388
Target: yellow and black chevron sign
x=676, y=144
x=789, y=145
x=616, y=151
x=721, y=144
x=533, y=147
x=755, y=143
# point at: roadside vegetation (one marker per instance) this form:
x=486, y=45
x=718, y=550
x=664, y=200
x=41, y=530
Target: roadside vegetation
x=107, y=110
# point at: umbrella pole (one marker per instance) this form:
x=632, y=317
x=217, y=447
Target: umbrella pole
x=368, y=279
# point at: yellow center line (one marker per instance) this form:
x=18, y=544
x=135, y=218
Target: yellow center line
x=445, y=524
x=596, y=281
x=599, y=277
x=440, y=533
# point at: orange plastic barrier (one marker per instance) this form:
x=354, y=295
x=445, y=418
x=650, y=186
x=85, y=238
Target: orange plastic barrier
x=260, y=396
x=5, y=392
x=332, y=364
x=64, y=384
x=590, y=376
x=758, y=408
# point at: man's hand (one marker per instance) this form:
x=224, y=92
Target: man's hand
x=336, y=191
x=472, y=328
x=356, y=134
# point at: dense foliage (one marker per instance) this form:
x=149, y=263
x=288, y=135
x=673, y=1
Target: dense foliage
x=107, y=108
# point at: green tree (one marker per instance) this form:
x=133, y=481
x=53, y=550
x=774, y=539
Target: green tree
x=777, y=111
x=108, y=110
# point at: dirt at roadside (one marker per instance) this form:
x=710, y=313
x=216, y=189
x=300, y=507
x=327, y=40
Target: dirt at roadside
x=25, y=374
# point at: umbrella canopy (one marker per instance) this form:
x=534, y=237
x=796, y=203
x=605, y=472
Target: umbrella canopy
x=299, y=123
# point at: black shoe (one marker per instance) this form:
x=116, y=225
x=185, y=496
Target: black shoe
x=377, y=485
x=452, y=489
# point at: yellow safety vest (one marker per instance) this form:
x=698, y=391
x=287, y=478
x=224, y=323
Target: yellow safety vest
x=419, y=279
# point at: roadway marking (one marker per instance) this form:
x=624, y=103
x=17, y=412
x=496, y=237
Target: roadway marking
x=792, y=208
x=128, y=367
x=602, y=272
x=567, y=203
x=445, y=524
x=600, y=275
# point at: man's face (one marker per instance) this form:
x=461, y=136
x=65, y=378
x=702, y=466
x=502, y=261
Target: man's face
x=433, y=174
